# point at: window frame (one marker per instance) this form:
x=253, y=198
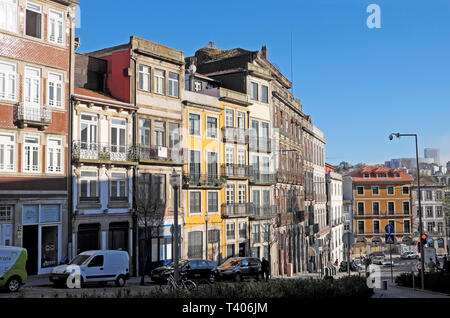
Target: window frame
x=7, y=79
x=55, y=93
x=357, y=189
x=144, y=74
x=159, y=79
x=59, y=19
x=89, y=179
x=15, y=6
x=39, y=156
x=252, y=86
x=42, y=19
x=47, y=158
x=171, y=81
x=208, y=130
x=378, y=190
x=200, y=203
x=208, y=200
x=112, y=180
x=12, y=143
x=199, y=125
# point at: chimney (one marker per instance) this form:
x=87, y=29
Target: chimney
x=264, y=51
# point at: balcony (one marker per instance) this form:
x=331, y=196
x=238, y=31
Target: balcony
x=193, y=180
x=381, y=215
x=33, y=115
x=231, y=170
x=103, y=153
x=260, y=144
x=263, y=178
x=230, y=210
x=233, y=134
x=264, y=212
x=158, y=153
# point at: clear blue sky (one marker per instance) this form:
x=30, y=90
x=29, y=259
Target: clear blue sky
x=358, y=84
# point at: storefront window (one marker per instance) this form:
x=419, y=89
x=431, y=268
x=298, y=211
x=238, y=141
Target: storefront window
x=49, y=247
x=49, y=213
x=30, y=214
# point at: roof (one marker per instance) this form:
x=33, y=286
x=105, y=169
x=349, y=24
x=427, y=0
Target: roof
x=358, y=175
x=85, y=93
x=428, y=181
x=214, y=54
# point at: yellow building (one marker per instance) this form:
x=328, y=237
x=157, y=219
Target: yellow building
x=381, y=196
x=215, y=174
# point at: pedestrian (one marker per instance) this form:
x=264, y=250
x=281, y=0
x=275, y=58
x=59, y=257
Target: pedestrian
x=265, y=268
x=419, y=266
x=438, y=265
x=446, y=265
x=336, y=263
x=431, y=266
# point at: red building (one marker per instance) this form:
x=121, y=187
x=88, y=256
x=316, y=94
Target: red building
x=36, y=59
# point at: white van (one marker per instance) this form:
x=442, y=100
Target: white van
x=95, y=267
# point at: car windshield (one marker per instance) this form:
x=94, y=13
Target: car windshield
x=180, y=263
x=79, y=260
x=232, y=261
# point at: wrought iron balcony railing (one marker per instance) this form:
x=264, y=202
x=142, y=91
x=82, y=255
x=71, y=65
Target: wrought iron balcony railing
x=103, y=152
x=202, y=180
x=234, y=134
x=231, y=170
x=265, y=212
x=33, y=114
x=382, y=215
x=263, y=178
x=237, y=209
x=160, y=153
x=261, y=144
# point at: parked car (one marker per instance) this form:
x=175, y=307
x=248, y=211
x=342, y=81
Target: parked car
x=377, y=258
x=387, y=262
x=410, y=255
x=13, y=271
x=194, y=269
x=239, y=268
x=95, y=267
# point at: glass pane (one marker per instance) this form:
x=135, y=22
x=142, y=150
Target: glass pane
x=49, y=247
x=49, y=213
x=30, y=214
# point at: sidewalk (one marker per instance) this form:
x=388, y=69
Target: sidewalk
x=394, y=291
x=43, y=280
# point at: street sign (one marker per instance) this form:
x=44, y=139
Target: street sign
x=348, y=238
x=390, y=239
x=430, y=241
x=389, y=228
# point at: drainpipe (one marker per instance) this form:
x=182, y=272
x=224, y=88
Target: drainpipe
x=134, y=124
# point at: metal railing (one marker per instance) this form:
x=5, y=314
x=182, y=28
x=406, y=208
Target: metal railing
x=230, y=170
x=237, y=209
x=382, y=215
x=260, y=144
x=262, y=212
x=263, y=178
x=160, y=153
x=202, y=180
x=103, y=151
x=235, y=134
x=34, y=113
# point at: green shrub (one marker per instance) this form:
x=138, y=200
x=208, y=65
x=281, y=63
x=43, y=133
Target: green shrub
x=438, y=282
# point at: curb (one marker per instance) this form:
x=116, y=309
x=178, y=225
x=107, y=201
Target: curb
x=426, y=291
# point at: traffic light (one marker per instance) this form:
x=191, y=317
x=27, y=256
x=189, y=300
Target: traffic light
x=424, y=238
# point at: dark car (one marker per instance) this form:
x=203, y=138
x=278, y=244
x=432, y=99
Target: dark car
x=194, y=269
x=239, y=268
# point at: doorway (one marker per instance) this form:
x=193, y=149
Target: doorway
x=88, y=239
x=30, y=243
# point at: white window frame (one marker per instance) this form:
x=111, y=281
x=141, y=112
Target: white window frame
x=403, y=190
x=359, y=187
x=379, y=207
x=229, y=224
x=56, y=17
x=252, y=90
x=60, y=148
x=25, y=144
x=189, y=123
x=228, y=117
x=207, y=202
x=387, y=190
x=10, y=90
x=89, y=179
x=240, y=186
x=230, y=189
x=160, y=81
x=122, y=179
x=241, y=153
x=42, y=18
x=189, y=203
x=208, y=130
x=55, y=103
x=229, y=152
x=145, y=74
x=12, y=145
x=174, y=85
x=375, y=187
x=33, y=80
x=11, y=13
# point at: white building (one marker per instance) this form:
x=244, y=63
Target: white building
x=336, y=214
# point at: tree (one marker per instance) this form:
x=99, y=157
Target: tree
x=150, y=210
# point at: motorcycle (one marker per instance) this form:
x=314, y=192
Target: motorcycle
x=343, y=267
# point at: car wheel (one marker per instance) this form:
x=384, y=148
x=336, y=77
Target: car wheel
x=212, y=278
x=13, y=284
x=120, y=281
x=238, y=278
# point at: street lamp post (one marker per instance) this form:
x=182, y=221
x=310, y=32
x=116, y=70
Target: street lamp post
x=206, y=223
x=422, y=261
x=175, y=183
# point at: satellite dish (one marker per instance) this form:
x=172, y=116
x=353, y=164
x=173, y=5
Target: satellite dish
x=193, y=68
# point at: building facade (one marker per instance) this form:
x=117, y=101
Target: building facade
x=36, y=80
x=335, y=211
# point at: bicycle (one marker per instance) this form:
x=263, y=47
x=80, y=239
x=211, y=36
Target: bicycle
x=184, y=283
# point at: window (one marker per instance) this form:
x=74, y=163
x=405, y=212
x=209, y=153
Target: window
x=360, y=227
x=213, y=202
x=264, y=94
x=439, y=211
x=242, y=193
x=390, y=190
x=88, y=185
x=88, y=133
x=428, y=195
x=31, y=160
x=97, y=261
x=8, y=15
x=144, y=77
x=54, y=155
x=243, y=230
x=429, y=210
x=230, y=250
x=118, y=185
x=195, y=202
x=360, y=190
x=405, y=190
x=173, y=84
x=160, y=81
x=391, y=208
x=438, y=195
x=376, y=208
x=230, y=194
x=7, y=150
x=144, y=132
x=406, y=208
x=194, y=124
x=241, y=157
x=160, y=133
x=32, y=94
x=366, y=175
x=376, y=226
x=360, y=208
x=440, y=227
x=118, y=139
x=256, y=235
x=56, y=27
x=195, y=244
x=375, y=190
x=212, y=167
x=254, y=91
x=8, y=75
x=392, y=223
x=406, y=226
x=34, y=20
x=55, y=89
x=159, y=188
x=229, y=118
x=5, y=213
x=240, y=120
x=382, y=175
x=230, y=231
x=211, y=127
x=430, y=227
x=195, y=164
